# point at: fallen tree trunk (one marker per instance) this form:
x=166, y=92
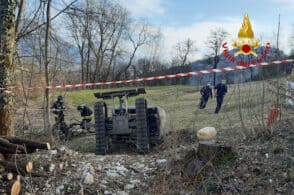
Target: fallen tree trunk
x=19, y=167
x=14, y=145
x=30, y=145
x=7, y=147
x=8, y=150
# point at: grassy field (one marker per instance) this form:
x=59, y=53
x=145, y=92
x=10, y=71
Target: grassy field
x=244, y=112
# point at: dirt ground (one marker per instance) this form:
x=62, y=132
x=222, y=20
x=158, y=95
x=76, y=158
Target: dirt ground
x=261, y=166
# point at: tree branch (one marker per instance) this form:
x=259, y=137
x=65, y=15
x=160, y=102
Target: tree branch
x=44, y=23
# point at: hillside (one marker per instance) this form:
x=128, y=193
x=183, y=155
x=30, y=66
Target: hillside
x=234, y=77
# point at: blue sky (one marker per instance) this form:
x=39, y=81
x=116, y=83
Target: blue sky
x=185, y=12
x=182, y=19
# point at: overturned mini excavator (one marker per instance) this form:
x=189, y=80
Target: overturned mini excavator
x=140, y=125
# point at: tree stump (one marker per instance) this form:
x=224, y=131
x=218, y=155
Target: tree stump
x=215, y=153
x=192, y=164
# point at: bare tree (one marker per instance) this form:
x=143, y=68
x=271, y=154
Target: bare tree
x=7, y=49
x=214, y=42
x=119, y=27
x=291, y=43
x=31, y=25
x=153, y=51
x=79, y=28
x=183, y=50
x=151, y=61
x=97, y=28
x=138, y=34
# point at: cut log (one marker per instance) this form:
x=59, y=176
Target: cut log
x=7, y=147
x=11, y=187
x=29, y=167
x=9, y=176
x=30, y=145
x=16, y=187
x=18, y=167
x=215, y=153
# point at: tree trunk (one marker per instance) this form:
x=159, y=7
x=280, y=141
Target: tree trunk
x=88, y=59
x=216, y=60
x=46, y=113
x=7, y=49
x=82, y=65
x=19, y=16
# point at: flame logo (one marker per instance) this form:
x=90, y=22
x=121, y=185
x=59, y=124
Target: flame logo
x=246, y=42
x=246, y=31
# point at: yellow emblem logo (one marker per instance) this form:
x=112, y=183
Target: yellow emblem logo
x=246, y=42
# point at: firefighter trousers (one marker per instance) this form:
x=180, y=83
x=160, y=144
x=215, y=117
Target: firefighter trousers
x=219, y=102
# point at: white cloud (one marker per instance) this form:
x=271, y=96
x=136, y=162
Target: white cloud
x=199, y=32
x=285, y=3
x=144, y=8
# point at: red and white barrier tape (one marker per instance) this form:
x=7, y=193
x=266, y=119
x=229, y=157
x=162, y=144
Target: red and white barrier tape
x=187, y=74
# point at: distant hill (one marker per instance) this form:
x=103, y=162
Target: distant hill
x=233, y=76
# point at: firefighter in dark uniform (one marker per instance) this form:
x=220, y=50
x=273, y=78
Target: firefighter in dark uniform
x=220, y=91
x=86, y=114
x=205, y=92
x=58, y=109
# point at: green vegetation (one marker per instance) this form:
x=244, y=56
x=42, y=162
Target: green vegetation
x=87, y=96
